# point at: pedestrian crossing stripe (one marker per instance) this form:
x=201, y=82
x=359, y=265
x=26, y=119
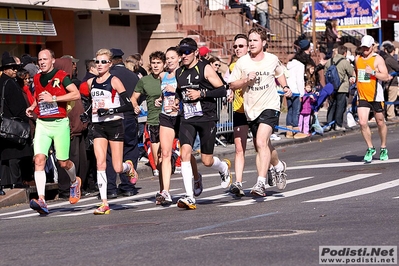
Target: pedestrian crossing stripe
x=359, y=192
x=303, y=190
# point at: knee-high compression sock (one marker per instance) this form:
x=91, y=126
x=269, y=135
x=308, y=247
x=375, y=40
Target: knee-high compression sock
x=219, y=165
x=102, y=184
x=71, y=173
x=187, y=173
x=40, y=180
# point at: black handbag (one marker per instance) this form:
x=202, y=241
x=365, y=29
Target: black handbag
x=13, y=129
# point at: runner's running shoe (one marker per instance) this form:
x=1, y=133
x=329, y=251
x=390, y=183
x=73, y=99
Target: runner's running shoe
x=159, y=199
x=237, y=190
x=271, y=177
x=39, y=205
x=74, y=191
x=226, y=177
x=187, y=203
x=167, y=197
x=198, y=186
x=384, y=154
x=103, y=209
x=281, y=177
x=259, y=189
x=133, y=176
x=369, y=155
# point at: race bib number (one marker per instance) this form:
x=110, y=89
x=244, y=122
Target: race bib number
x=46, y=108
x=363, y=76
x=192, y=109
x=97, y=103
x=168, y=103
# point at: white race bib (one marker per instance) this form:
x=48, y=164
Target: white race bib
x=46, y=108
x=362, y=76
x=192, y=109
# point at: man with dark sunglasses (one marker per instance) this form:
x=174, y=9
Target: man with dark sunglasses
x=198, y=86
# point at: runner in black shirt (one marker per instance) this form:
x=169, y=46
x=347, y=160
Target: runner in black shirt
x=198, y=86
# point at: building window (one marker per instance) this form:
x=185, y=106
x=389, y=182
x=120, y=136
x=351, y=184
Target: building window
x=119, y=20
x=21, y=14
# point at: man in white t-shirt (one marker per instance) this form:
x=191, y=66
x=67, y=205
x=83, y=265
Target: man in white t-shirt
x=255, y=73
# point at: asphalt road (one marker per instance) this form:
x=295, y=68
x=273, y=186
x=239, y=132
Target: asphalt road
x=332, y=199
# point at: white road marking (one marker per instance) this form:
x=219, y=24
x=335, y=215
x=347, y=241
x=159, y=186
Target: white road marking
x=300, y=190
x=359, y=192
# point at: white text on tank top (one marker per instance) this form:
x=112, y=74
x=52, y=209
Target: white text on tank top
x=102, y=98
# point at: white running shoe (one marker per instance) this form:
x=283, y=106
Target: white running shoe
x=186, y=202
x=167, y=197
x=226, y=178
x=259, y=189
x=274, y=137
x=281, y=177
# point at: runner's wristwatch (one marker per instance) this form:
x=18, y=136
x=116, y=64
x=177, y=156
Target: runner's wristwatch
x=202, y=94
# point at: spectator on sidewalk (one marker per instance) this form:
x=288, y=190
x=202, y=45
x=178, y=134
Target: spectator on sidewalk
x=16, y=159
x=77, y=151
x=306, y=109
x=331, y=37
x=296, y=82
x=205, y=54
x=262, y=9
x=130, y=141
x=338, y=100
x=391, y=86
x=91, y=174
x=245, y=9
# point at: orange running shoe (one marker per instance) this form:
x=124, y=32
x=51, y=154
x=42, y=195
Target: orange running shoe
x=74, y=191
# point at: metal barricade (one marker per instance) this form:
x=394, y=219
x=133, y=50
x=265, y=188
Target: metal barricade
x=225, y=123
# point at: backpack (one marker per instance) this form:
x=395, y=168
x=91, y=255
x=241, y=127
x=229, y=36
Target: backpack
x=332, y=75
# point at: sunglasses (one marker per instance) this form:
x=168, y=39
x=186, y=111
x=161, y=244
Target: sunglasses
x=103, y=62
x=239, y=46
x=218, y=65
x=186, y=52
x=12, y=68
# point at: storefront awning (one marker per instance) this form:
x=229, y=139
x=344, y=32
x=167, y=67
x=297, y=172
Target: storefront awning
x=22, y=39
x=25, y=27
x=389, y=10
